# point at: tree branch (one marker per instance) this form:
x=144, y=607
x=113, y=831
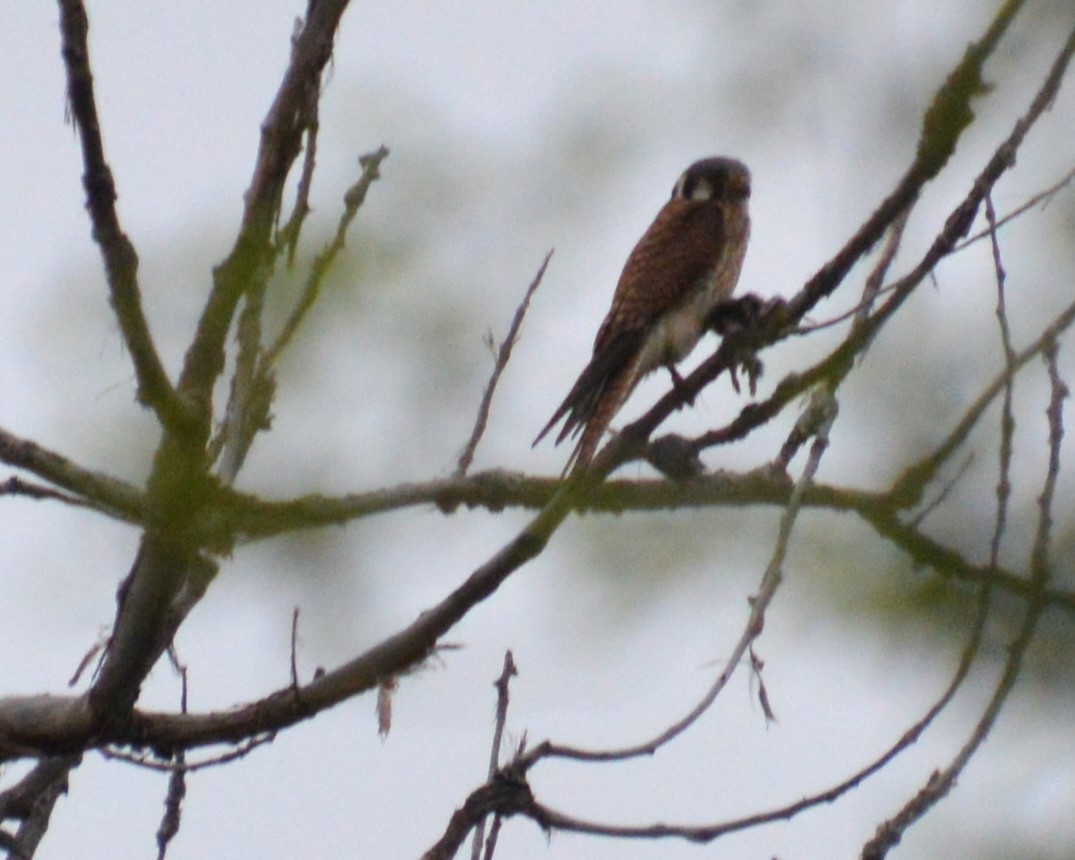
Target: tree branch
x=503, y=356
x=97, y=490
x=281, y=142
x=120, y=258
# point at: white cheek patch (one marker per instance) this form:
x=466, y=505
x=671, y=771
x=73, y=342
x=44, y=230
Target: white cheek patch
x=702, y=190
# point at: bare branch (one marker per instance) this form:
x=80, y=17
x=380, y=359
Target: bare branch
x=294, y=647
x=281, y=142
x=942, y=126
x=15, y=486
x=502, y=357
x=1039, y=557
x=31, y=802
x=288, y=236
x=96, y=490
x=120, y=258
x=872, y=288
x=906, y=490
x=509, y=671
x=250, y=396
x=353, y=200
x=1043, y=197
x=1007, y=418
x=22, y=719
x=151, y=762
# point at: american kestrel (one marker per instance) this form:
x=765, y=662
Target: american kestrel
x=685, y=264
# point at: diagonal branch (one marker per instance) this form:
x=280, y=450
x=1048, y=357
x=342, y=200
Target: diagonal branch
x=1042, y=197
x=31, y=801
x=906, y=490
x=944, y=122
x=120, y=258
x=503, y=356
x=22, y=720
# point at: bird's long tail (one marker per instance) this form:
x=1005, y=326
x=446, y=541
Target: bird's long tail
x=595, y=398
x=616, y=390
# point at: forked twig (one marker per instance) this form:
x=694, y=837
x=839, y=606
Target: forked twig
x=507, y=673
x=1041, y=197
x=353, y=199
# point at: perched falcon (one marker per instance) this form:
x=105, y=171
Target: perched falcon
x=685, y=264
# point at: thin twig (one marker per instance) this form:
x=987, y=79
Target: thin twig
x=294, y=648
x=1007, y=416
x=907, y=489
x=872, y=288
x=288, y=236
x=16, y=486
x=250, y=395
x=502, y=357
x=353, y=199
x=1039, y=557
x=111, y=496
x=241, y=750
x=1041, y=196
x=494, y=835
x=945, y=490
x=507, y=673
x=710, y=832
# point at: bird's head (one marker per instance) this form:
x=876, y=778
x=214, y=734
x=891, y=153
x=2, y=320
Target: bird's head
x=714, y=179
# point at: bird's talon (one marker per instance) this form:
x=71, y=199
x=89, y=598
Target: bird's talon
x=734, y=374
x=679, y=386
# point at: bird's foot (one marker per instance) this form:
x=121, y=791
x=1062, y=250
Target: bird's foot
x=752, y=366
x=679, y=385
x=742, y=316
x=737, y=314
